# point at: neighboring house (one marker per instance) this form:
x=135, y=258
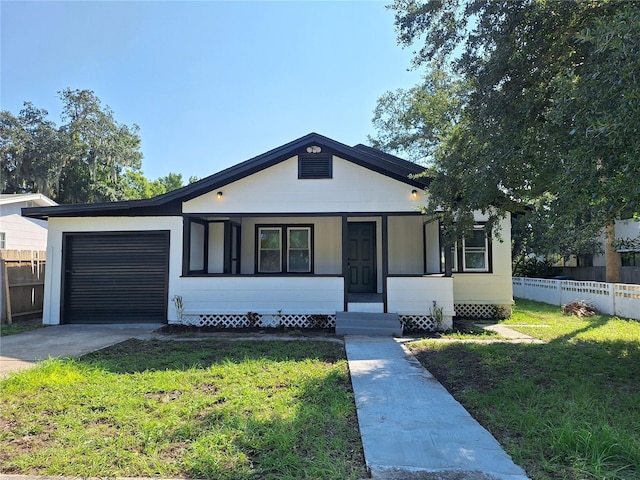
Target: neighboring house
x=18, y=232
x=593, y=267
x=293, y=236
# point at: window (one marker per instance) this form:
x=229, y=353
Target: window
x=315, y=166
x=474, y=256
x=471, y=254
x=284, y=249
x=270, y=251
x=630, y=259
x=3, y=240
x=585, y=260
x=299, y=252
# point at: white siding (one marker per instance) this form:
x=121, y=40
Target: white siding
x=432, y=233
x=196, y=252
x=265, y=295
x=627, y=229
x=216, y=247
x=489, y=288
x=23, y=233
x=58, y=226
x=406, y=246
x=415, y=295
x=278, y=190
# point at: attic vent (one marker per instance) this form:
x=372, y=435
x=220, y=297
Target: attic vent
x=315, y=166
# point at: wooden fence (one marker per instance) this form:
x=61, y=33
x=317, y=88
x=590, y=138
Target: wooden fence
x=22, y=282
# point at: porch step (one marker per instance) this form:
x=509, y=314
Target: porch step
x=365, y=307
x=371, y=324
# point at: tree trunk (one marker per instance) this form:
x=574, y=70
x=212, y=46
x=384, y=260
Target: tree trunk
x=611, y=255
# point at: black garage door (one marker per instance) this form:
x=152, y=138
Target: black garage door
x=115, y=278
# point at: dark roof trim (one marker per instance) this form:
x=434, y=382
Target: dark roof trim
x=170, y=203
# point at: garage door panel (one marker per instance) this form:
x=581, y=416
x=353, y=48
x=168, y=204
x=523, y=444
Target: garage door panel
x=116, y=278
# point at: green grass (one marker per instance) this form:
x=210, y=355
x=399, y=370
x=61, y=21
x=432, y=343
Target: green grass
x=567, y=409
x=205, y=409
x=547, y=323
x=15, y=328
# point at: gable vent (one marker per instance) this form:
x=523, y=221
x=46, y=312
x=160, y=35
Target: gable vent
x=315, y=166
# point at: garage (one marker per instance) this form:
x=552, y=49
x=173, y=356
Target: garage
x=119, y=277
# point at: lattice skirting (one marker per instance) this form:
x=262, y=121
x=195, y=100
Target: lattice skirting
x=418, y=322
x=482, y=311
x=248, y=320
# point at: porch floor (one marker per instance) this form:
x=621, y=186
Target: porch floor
x=364, y=298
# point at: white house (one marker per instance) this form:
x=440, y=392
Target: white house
x=296, y=235
x=18, y=232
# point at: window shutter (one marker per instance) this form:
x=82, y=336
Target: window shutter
x=315, y=166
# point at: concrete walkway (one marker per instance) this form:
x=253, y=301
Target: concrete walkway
x=510, y=334
x=23, y=350
x=411, y=427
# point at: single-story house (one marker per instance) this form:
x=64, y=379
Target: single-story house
x=18, y=232
x=292, y=237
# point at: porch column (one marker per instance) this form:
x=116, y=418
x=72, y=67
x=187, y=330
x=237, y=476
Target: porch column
x=446, y=244
x=385, y=259
x=345, y=259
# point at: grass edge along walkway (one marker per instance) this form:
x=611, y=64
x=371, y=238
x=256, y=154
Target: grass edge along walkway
x=566, y=409
x=206, y=409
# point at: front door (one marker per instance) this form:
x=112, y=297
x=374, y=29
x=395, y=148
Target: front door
x=362, y=257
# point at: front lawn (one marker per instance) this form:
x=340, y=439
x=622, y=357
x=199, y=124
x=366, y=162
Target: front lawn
x=203, y=409
x=568, y=409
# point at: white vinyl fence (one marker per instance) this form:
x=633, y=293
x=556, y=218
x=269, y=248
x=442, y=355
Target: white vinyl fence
x=611, y=298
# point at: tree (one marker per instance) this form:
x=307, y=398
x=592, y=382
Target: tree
x=545, y=114
x=83, y=160
x=101, y=148
x=30, y=145
x=172, y=181
x=136, y=185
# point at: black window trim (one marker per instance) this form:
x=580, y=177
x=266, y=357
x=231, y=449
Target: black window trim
x=284, y=227
x=228, y=225
x=457, y=267
x=205, y=258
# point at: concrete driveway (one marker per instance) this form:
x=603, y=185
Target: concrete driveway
x=23, y=350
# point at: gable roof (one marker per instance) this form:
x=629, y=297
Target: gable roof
x=170, y=203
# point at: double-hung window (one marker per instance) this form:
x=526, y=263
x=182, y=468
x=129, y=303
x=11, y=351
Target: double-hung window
x=471, y=254
x=475, y=252
x=284, y=249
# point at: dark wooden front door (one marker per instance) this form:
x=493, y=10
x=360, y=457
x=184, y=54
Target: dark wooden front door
x=362, y=257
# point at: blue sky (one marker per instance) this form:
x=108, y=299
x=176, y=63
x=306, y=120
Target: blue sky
x=211, y=83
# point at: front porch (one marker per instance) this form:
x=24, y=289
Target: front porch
x=298, y=271
x=311, y=302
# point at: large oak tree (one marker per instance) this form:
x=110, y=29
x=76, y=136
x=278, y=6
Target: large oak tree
x=90, y=157
x=538, y=112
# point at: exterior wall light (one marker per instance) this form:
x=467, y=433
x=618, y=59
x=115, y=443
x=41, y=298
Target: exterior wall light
x=414, y=193
x=219, y=194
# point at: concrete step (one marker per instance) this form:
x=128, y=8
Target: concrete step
x=371, y=324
